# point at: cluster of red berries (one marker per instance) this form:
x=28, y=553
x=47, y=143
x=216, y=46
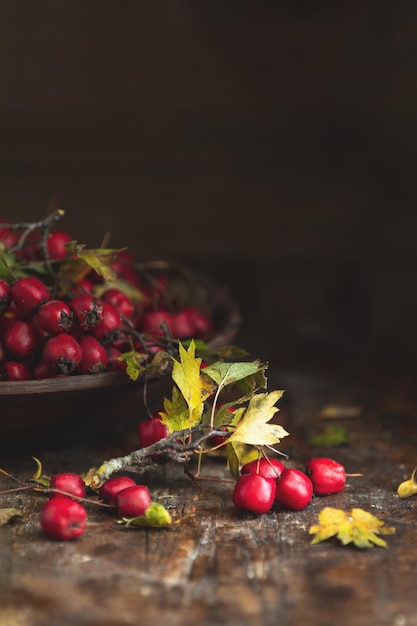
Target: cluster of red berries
x=64, y=516
x=266, y=481
x=43, y=336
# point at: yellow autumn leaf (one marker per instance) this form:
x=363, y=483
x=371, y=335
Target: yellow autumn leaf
x=356, y=526
x=408, y=487
x=186, y=375
x=254, y=427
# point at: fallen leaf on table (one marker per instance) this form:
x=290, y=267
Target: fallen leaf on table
x=356, y=526
x=9, y=515
x=408, y=487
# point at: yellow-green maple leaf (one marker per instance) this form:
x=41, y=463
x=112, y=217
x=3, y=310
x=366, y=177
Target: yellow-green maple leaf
x=176, y=413
x=186, y=375
x=254, y=428
x=356, y=526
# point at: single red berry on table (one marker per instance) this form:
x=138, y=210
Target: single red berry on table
x=20, y=340
x=15, y=370
x=327, y=475
x=87, y=310
x=152, y=430
x=62, y=518
x=29, y=293
x=94, y=356
x=268, y=467
x=111, y=487
x=133, y=501
x=294, y=489
x=62, y=353
x=69, y=482
x=55, y=316
x=254, y=493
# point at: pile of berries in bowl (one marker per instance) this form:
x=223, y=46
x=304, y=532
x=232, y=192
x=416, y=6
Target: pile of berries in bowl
x=70, y=315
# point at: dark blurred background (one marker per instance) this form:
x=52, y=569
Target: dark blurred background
x=270, y=144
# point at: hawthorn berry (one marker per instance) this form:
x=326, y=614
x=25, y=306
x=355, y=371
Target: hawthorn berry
x=87, y=310
x=114, y=364
x=5, y=296
x=62, y=353
x=110, y=322
x=20, y=340
x=327, y=475
x=8, y=237
x=152, y=430
x=120, y=300
x=55, y=316
x=133, y=501
x=62, y=518
x=268, y=467
x=69, y=482
x=111, y=487
x=15, y=370
x=2, y=352
x=294, y=489
x=254, y=493
x=56, y=243
x=94, y=356
x=154, y=322
x=29, y=293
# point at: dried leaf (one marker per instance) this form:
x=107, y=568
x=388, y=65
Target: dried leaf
x=254, y=428
x=8, y=515
x=357, y=526
x=408, y=487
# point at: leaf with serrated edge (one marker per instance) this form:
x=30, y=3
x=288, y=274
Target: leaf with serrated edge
x=186, y=375
x=254, y=428
x=228, y=373
x=176, y=414
x=357, y=526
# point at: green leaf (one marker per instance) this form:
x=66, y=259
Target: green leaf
x=99, y=259
x=357, y=526
x=227, y=373
x=134, y=366
x=156, y=516
x=254, y=428
x=233, y=459
x=331, y=436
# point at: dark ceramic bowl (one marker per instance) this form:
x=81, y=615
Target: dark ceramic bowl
x=54, y=412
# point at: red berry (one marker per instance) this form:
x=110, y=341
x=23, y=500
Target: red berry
x=8, y=238
x=94, y=356
x=55, y=316
x=29, y=293
x=2, y=352
x=87, y=310
x=294, y=489
x=153, y=322
x=120, y=300
x=270, y=468
x=69, y=482
x=109, y=489
x=328, y=476
x=152, y=430
x=5, y=296
x=202, y=324
x=62, y=518
x=62, y=353
x=20, y=340
x=110, y=322
x=114, y=365
x=133, y=501
x=15, y=370
x=56, y=244
x=254, y=493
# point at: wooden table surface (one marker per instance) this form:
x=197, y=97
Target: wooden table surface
x=221, y=566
